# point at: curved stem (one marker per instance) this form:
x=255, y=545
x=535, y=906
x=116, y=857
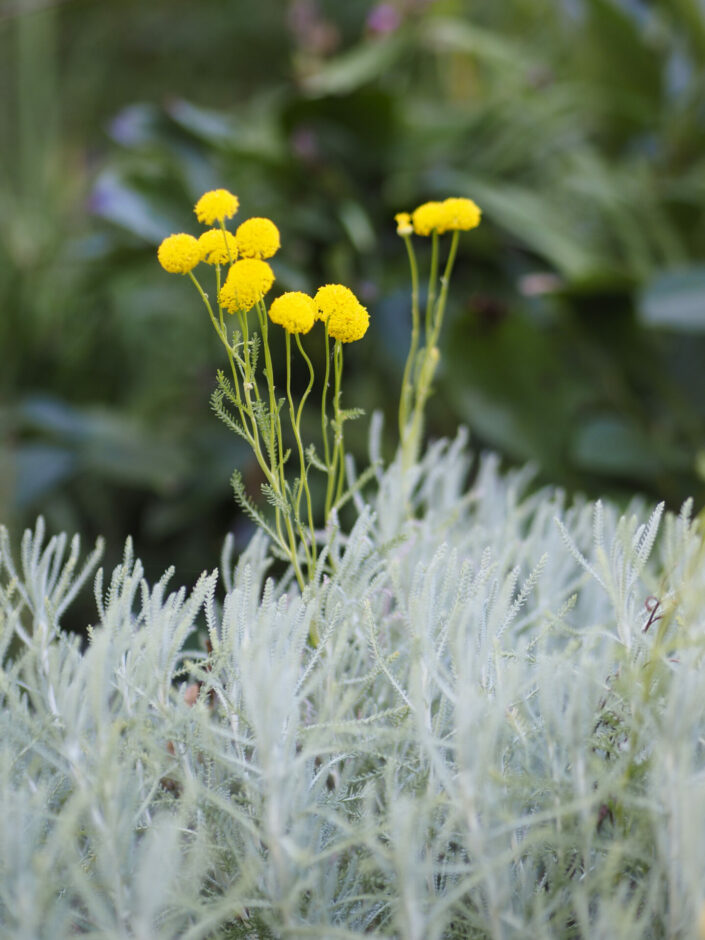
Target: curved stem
x=299, y=447
x=304, y=474
x=324, y=403
x=331, y=487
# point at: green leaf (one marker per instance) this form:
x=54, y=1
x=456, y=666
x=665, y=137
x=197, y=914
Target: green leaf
x=362, y=64
x=675, y=300
x=611, y=445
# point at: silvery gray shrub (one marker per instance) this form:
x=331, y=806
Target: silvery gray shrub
x=501, y=731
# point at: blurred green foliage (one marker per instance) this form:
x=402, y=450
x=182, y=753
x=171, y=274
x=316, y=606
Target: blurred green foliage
x=576, y=331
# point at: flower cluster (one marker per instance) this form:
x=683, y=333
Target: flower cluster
x=258, y=415
x=250, y=278
x=456, y=214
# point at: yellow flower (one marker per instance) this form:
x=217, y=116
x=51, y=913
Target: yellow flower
x=404, y=226
x=295, y=311
x=217, y=246
x=347, y=318
x=179, y=254
x=257, y=238
x=427, y=218
x=247, y=282
x=216, y=206
x=459, y=214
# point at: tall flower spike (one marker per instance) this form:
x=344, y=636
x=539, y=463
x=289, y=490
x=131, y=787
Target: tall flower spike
x=179, y=254
x=216, y=206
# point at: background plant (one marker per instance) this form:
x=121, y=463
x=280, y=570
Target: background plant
x=575, y=125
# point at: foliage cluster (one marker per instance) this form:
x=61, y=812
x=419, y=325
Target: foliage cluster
x=499, y=734
x=577, y=126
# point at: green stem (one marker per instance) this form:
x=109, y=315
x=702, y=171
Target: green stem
x=324, y=404
x=299, y=447
x=432, y=278
x=339, y=450
x=406, y=384
x=309, y=501
x=429, y=363
x=445, y=281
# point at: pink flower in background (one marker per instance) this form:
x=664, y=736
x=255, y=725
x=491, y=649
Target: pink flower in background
x=383, y=19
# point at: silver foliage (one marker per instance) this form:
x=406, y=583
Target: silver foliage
x=498, y=731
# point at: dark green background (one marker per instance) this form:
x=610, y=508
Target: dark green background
x=574, y=335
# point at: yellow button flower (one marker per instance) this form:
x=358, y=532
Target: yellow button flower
x=295, y=311
x=404, y=226
x=216, y=206
x=459, y=214
x=247, y=283
x=347, y=318
x=179, y=254
x=257, y=238
x=217, y=246
x=427, y=218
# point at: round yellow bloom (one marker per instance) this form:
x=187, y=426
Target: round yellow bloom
x=216, y=206
x=427, y=218
x=257, y=238
x=404, y=226
x=247, y=282
x=217, y=246
x=459, y=214
x=347, y=318
x=295, y=311
x=179, y=254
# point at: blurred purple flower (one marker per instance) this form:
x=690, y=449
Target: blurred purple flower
x=383, y=19
x=304, y=143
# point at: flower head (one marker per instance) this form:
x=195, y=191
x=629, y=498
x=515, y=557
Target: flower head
x=216, y=206
x=427, y=218
x=295, y=311
x=404, y=226
x=247, y=283
x=217, y=246
x=347, y=318
x=459, y=215
x=257, y=238
x=179, y=254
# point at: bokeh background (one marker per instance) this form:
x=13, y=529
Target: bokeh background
x=575, y=335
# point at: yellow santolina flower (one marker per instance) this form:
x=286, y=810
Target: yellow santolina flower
x=257, y=238
x=459, y=214
x=427, y=218
x=217, y=246
x=216, y=206
x=295, y=311
x=347, y=318
x=179, y=254
x=404, y=226
x=247, y=282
